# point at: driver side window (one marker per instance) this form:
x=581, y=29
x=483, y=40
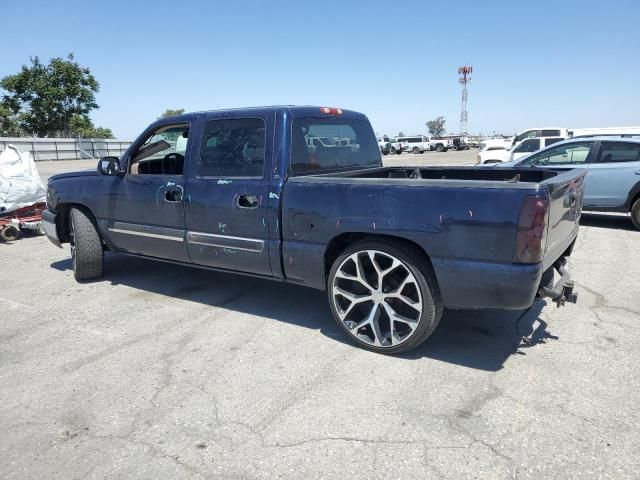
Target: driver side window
x=162, y=153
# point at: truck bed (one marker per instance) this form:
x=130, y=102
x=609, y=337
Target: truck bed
x=475, y=174
x=465, y=218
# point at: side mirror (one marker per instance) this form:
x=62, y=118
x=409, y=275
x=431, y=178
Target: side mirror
x=109, y=166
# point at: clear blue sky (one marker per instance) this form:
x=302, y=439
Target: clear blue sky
x=570, y=64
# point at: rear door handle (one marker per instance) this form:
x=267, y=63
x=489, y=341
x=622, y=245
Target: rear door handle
x=247, y=201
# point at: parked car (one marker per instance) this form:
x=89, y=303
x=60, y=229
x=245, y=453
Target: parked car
x=397, y=146
x=440, y=144
x=604, y=131
x=519, y=150
x=415, y=144
x=540, y=132
x=613, y=165
x=384, y=145
x=392, y=246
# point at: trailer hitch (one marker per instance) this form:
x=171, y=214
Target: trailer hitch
x=562, y=291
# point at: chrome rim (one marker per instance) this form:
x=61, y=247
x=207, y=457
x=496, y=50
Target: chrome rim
x=377, y=298
x=72, y=241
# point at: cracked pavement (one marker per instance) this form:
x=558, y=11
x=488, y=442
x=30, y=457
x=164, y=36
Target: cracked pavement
x=161, y=371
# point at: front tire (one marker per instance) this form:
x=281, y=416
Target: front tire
x=635, y=214
x=439, y=148
x=415, y=150
x=384, y=298
x=87, y=255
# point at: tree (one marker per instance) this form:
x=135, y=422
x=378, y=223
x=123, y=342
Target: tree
x=45, y=98
x=81, y=126
x=9, y=123
x=436, y=127
x=171, y=113
x=401, y=134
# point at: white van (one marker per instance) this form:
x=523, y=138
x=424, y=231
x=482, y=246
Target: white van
x=415, y=144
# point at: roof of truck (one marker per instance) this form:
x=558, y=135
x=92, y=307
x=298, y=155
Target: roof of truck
x=298, y=111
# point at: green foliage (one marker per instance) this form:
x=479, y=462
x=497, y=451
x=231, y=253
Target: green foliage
x=436, y=127
x=9, y=123
x=81, y=126
x=171, y=113
x=49, y=100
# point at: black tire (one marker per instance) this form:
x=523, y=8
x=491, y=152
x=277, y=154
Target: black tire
x=439, y=148
x=9, y=233
x=87, y=255
x=635, y=213
x=393, y=150
x=415, y=150
x=399, y=152
x=417, y=265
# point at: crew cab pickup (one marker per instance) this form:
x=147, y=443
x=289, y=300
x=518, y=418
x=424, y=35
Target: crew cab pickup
x=244, y=191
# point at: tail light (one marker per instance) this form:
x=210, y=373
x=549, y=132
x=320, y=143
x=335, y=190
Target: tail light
x=531, y=237
x=331, y=110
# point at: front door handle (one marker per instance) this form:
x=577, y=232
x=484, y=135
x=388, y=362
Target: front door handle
x=248, y=201
x=637, y=172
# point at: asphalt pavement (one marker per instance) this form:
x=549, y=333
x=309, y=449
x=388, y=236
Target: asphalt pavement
x=162, y=371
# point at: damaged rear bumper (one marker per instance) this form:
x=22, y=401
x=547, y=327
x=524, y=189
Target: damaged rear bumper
x=562, y=290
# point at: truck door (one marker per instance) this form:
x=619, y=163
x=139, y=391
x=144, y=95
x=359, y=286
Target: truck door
x=613, y=172
x=145, y=209
x=227, y=194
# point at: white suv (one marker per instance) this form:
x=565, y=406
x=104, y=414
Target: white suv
x=415, y=144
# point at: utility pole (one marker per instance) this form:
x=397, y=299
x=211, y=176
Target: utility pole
x=465, y=78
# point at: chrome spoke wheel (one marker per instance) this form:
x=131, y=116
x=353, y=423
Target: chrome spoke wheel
x=377, y=298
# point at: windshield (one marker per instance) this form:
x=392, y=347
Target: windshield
x=320, y=144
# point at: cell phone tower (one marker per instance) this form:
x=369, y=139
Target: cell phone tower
x=465, y=78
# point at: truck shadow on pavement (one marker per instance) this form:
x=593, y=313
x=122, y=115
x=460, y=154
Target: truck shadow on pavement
x=481, y=340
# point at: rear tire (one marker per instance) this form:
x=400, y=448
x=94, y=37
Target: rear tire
x=87, y=255
x=635, y=214
x=401, y=283
x=439, y=148
x=393, y=150
x=415, y=150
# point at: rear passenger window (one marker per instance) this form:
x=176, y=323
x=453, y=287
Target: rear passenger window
x=233, y=148
x=619, y=152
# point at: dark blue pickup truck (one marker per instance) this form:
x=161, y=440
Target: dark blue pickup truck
x=299, y=194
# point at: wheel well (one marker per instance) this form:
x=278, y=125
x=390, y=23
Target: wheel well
x=344, y=240
x=634, y=200
x=62, y=209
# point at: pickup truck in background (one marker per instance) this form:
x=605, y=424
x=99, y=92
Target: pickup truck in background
x=245, y=191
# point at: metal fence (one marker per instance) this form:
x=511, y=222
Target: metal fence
x=44, y=149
